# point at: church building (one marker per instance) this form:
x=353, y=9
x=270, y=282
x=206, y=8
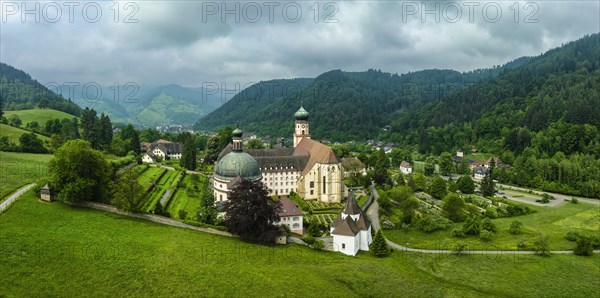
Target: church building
x=310, y=168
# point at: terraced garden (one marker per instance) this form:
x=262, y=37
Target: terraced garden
x=163, y=184
x=187, y=197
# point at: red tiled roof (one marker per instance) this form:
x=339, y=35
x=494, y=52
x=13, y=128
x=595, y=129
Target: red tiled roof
x=289, y=208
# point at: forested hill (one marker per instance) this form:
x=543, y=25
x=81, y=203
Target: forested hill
x=554, y=95
x=18, y=91
x=342, y=105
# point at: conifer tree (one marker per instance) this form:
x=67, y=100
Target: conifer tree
x=379, y=247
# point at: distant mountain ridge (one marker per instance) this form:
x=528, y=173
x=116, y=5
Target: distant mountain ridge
x=147, y=106
x=342, y=105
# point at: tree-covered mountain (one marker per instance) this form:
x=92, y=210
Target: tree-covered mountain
x=342, y=105
x=151, y=106
x=556, y=92
x=18, y=91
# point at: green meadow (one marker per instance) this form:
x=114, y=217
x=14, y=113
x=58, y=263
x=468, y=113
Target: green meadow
x=554, y=222
x=65, y=251
x=18, y=169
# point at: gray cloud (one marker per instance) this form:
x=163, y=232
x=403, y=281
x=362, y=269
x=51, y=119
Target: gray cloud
x=183, y=42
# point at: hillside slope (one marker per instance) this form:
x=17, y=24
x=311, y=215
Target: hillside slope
x=343, y=105
x=18, y=91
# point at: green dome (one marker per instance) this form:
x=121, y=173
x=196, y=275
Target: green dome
x=236, y=164
x=237, y=133
x=301, y=114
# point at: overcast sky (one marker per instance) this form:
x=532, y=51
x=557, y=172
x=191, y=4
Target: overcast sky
x=192, y=42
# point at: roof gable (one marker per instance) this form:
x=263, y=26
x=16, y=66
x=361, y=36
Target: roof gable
x=347, y=227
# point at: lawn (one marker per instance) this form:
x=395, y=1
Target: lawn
x=14, y=133
x=49, y=249
x=18, y=169
x=552, y=221
x=156, y=194
x=39, y=115
x=149, y=176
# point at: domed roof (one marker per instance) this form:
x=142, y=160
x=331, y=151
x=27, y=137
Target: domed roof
x=237, y=133
x=301, y=114
x=236, y=164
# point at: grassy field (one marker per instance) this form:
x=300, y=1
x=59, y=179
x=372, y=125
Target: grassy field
x=18, y=169
x=39, y=115
x=552, y=221
x=149, y=176
x=14, y=133
x=73, y=252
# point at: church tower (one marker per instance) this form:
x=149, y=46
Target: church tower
x=301, y=127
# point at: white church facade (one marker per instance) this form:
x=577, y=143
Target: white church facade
x=310, y=168
x=351, y=231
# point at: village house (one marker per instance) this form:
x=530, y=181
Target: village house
x=162, y=149
x=290, y=216
x=405, y=167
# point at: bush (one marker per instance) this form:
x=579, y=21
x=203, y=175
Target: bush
x=595, y=241
x=472, y=225
x=431, y=223
x=318, y=245
x=487, y=224
x=574, y=201
x=572, y=235
x=308, y=240
x=541, y=246
x=486, y=235
x=521, y=242
x=459, y=248
x=458, y=232
x=516, y=227
x=584, y=246
x=182, y=214
x=388, y=225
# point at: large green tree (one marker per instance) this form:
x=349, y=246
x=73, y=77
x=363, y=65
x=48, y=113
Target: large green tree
x=79, y=173
x=30, y=143
x=188, y=156
x=454, y=207
x=251, y=212
x=438, y=188
x=466, y=184
x=127, y=192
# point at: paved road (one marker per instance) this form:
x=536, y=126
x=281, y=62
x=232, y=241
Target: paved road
x=373, y=213
x=15, y=195
x=559, y=197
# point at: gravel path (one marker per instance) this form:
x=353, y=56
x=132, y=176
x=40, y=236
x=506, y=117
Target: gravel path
x=15, y=195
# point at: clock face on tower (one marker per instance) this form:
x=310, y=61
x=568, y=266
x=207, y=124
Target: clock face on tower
x=303, y=125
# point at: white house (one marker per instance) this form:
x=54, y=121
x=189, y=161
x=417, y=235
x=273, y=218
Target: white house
x=480, y=172
x=351, y=231
x=291, y=216
x=405, y=167
x=163, y=149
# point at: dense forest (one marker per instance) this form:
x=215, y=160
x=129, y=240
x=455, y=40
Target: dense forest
x=18, y=91
x=343, y=105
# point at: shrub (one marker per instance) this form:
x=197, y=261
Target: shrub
x=182, y=213
x=584, y=246
x=516, y=227
x=521, y=242
x=318, y=245
x=308, y=240
x=541, y=246
x=458, y=232
x=388, y=225
x=431, y=223
x=472, y=225
x=459, y=248
x=487, y=224
x=490, y=212
x=486, y=235
x=595, y=241
x=574, y=201
x=572, y=235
